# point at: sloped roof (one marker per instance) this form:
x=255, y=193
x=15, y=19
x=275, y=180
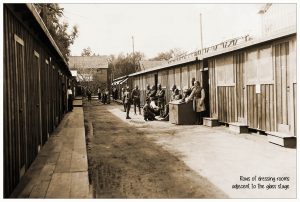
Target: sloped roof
x=80, y=62
x=287, y=32
x=147, y=64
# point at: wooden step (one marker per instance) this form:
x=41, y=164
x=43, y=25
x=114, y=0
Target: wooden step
x=211, y=122
x=238, y=128
x=282, y=139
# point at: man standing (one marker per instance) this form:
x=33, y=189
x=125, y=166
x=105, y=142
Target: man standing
x=148, y=91
x=127, y=101
x=70, y=99
x=160, y=99
x=123, y=98
x=99, y=94
x=152, y=94
x=136, y=99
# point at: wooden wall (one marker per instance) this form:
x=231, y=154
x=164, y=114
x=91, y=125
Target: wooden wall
x=256, y=86
x=180, y=75
x=34, y=96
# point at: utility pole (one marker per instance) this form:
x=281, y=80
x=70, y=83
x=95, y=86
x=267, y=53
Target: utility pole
x=135, y=68
x=132, y=45
x=201, y=39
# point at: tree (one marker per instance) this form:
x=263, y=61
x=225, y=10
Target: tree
x=173, y=53
x=122, y=65
x=86, y=52
x=51, y=14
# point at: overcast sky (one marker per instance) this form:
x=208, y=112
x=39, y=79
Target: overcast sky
x=107, y=28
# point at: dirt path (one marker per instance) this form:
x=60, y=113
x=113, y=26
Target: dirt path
x=124, y=163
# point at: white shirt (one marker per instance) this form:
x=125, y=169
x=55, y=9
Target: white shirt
x=70, y=92
x=153, y=105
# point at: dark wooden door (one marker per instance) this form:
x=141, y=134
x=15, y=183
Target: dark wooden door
x=205, y=85
x=22, y=140
x=37, y=109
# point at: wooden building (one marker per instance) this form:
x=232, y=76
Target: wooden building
x=253, y=83
x=120, y=83
x=92, y=71
x=36, y=77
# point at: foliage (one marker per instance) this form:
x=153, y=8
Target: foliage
x=167, y=55
x=86, y=52
x=122, y=65
x=51, y=14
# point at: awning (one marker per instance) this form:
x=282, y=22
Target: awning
x=123, y=81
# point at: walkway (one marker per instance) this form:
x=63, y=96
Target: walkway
x=60, y=169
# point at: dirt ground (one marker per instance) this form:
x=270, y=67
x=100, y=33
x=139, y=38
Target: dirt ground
x=126, y=163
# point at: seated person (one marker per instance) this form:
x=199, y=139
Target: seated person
x=175, y=96
x=154, y=107
x=148, y=112
x=186, y=93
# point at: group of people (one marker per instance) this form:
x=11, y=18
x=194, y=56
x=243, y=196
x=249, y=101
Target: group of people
x=103, y=95
x=155, y=100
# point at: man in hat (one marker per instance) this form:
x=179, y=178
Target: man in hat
x=127, y=101
x=160, y=99
x=136, y=99
x=148, y=91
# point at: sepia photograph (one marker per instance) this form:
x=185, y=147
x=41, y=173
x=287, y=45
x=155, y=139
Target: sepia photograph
x=162, y=100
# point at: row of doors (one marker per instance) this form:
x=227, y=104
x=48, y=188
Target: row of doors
x=264, y=97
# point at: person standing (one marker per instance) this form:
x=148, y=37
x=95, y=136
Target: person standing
x=123, y=98
x=152, y=94
x=99, y=94
x=148, y=91
x=198, y=96
x=136, y=99
x=104, y=97
x=89, y=94
x=127, y=101
x=160, y=99
x=70, y=99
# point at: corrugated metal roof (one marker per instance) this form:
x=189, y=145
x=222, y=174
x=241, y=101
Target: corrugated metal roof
x=148, y=64
x=287, y=32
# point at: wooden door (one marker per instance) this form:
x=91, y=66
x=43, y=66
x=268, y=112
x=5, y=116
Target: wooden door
x=22, y=140
x=37, y=100
x=212, y=89
x=205, y=85
x=239, y=60
x=282, y=86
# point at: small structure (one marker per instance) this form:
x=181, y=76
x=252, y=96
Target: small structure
x=92, y=71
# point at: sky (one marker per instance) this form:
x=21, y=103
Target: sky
x=108, y=28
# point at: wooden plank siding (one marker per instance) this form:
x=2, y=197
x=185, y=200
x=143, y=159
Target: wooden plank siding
x=28, y=85
x=260, y=107
x=254, y=85
x=181, y=76
x=239, y=60
x=212, y=89
x=226, y=100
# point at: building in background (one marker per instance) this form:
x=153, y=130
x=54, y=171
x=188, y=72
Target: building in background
x=92, y=72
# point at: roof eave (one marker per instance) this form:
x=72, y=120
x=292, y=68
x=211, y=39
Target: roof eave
x=46, y=31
